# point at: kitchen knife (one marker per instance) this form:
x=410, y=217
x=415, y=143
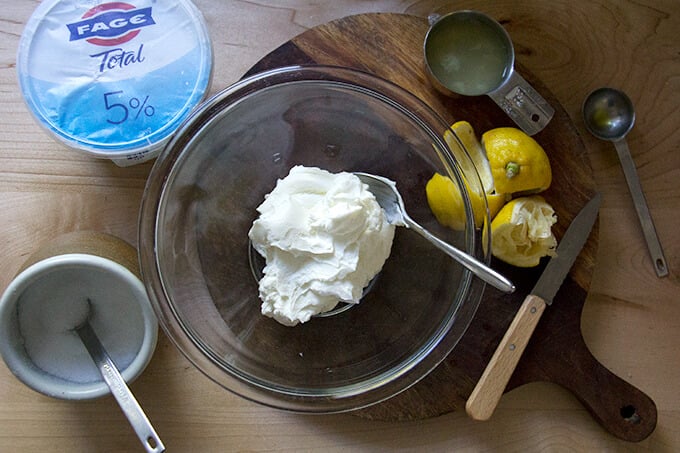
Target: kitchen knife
x=488, y=391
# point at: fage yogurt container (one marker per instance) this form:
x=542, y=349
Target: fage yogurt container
x=114, y=79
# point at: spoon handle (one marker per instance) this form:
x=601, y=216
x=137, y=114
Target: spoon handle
x=640, y=203
x=131, y=408
x=478, y=268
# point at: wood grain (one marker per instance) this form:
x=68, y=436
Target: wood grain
x=359, y=40
x=630, y=320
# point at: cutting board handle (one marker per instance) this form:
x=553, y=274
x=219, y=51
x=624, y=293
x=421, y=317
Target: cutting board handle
x=625, y=411
x=390, y=46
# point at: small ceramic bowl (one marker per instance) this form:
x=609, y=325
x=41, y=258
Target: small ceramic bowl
x=43, y=304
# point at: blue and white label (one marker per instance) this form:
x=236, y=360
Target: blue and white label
x=124, y=90
x=111, y=24
x=119, y=58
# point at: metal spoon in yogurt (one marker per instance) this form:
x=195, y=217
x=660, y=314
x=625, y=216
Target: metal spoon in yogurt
x=609, y=115
x=390, y=200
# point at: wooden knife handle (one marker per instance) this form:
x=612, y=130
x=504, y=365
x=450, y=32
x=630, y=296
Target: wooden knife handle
x=490, y=387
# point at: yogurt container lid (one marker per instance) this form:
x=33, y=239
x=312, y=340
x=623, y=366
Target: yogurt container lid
x=114, y=79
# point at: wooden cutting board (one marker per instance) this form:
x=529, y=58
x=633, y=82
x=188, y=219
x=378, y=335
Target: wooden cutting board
x=390, y=46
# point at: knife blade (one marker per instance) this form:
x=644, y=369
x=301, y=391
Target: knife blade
x=491, y=385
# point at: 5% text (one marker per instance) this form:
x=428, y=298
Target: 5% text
x=119, y=112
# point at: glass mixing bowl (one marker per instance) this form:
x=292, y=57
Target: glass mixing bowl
x=198, y=266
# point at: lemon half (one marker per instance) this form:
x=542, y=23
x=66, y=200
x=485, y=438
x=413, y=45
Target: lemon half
x=521, y=233
x=518, y=163
x=444, y=196
x=468, y=138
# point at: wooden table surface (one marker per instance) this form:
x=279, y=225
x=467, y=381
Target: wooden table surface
x=631, y=319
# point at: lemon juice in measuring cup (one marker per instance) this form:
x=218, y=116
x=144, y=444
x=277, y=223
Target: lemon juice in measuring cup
x=470, y=58
x=470, y=54
x=114, y=79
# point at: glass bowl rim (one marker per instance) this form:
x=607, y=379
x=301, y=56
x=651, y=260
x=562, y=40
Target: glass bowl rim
x=353, y=396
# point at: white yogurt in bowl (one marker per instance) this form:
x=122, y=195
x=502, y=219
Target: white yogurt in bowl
x=114, y=79
x=324, y=237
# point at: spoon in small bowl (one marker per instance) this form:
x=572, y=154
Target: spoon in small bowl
x=119, y=389
x=609, y=115
x=390, y=200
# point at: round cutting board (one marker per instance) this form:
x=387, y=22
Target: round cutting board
x=390, y=46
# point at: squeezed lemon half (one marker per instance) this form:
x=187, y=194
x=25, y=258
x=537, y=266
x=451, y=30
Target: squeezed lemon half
x=521, y=233
x=509, y=162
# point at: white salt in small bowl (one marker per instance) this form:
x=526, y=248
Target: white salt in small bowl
x=48, y=299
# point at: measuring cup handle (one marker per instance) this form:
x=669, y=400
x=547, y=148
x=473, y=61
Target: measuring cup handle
x=523, y=104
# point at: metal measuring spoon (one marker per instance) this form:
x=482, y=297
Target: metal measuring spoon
x=119, y=389
x=390, y=200
x=609, y=115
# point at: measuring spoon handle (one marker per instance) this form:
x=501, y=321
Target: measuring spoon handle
x=629, y=171
x=126, y=400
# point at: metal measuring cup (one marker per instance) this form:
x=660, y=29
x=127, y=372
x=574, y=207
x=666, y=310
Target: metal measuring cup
x=469, y=53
